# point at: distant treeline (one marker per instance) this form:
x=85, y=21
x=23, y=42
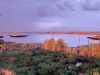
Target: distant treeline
x=71, y=32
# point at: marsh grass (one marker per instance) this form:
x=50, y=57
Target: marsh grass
x=41, y=60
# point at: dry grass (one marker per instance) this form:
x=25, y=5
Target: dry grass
x=93, y=50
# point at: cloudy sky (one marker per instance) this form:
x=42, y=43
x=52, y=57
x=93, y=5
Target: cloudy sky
x=49, y=15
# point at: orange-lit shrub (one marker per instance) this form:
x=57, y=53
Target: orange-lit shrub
x=53, y=45
x=93, y=50
x=96, y=73
x=6, y=72
x=49, y=44
x=60, y=45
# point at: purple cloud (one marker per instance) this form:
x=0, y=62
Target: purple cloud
x=31, y=15
x=91, y=5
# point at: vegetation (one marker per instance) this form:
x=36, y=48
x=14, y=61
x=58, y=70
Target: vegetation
x=51, y=44
x=92, y=50
x=1, y=41
x=50, y=58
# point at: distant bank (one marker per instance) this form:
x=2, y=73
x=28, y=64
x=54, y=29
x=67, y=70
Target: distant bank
x=66, y=32
x=72, y=32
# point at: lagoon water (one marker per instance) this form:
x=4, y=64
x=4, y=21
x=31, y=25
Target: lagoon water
x=72, y=40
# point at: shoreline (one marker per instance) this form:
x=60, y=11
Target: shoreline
x=79, y=32
x=66, y=32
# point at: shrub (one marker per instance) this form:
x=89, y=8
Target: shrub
x=6, y=72
x=53, y=45
x=47, y=69
x=93, y=50
x=1, y=41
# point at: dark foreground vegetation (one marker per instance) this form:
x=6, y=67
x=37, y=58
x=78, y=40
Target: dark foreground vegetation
x=50, y=58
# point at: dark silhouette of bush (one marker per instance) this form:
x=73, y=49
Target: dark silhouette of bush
x=1, y=41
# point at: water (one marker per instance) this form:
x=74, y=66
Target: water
x=72, y=40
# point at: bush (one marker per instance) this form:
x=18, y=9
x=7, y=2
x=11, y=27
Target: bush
x=53, y=45
x=47, y=69
x=1, y=41
x=22, y=60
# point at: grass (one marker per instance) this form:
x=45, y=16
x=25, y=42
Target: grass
x=36, y=60
x=42, y=62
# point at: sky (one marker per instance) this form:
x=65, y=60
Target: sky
x=49, y=15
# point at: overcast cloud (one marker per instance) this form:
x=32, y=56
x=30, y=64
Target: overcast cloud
x=49, y=15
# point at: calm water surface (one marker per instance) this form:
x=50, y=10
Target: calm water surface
x=71, y=40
